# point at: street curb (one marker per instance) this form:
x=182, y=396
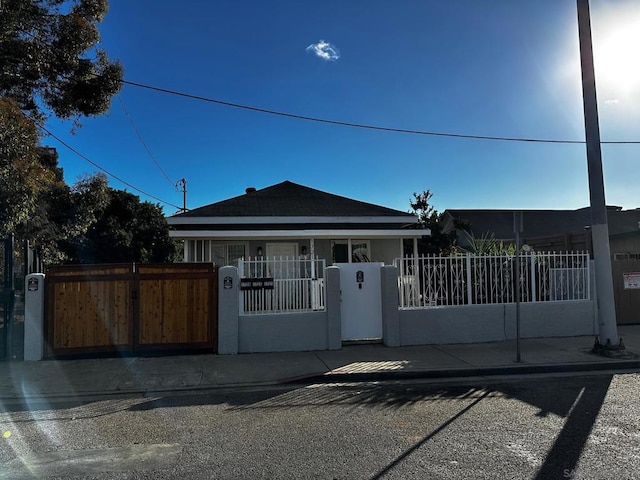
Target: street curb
x=137, y=391
x=346, y=377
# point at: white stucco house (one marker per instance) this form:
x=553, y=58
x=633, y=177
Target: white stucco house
x=292, y=220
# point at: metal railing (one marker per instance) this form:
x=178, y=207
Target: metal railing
x=489, y=279
x=281, y=285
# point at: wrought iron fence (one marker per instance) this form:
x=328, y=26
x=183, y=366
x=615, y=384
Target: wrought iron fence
x=281, y=285
x=489, y=279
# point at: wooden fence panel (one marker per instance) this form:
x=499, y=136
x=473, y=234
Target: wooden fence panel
x=89, y=309
x=177, y=306
x=129, y=309
x=627, y=300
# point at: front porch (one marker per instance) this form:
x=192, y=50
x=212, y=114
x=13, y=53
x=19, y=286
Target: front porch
x=371, y=246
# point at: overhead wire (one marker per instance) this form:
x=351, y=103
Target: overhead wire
x=359, y=125
x=352, y=124
x=144, y=144
x=99, y=167
x=294, y=116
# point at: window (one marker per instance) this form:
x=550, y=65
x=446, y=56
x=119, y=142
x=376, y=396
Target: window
x=360, y=251
x=216, y=252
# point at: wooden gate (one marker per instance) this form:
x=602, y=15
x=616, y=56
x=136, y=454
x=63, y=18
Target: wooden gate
x=130, y=309
x=627, y=299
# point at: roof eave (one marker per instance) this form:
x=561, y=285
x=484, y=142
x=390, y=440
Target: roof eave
x=264, y=220
x=286, y=234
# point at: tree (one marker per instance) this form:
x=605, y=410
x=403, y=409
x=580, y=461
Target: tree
x=63, y=213
x=49, y=65
x=90, y=222
x=22, y=176
x=439, y=242
x=126, y=230
x=49, y=57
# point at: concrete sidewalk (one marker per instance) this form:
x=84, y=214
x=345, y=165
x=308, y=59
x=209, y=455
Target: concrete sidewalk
x=77, y=378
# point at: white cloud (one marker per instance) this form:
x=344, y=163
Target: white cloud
x=614, y=101
x=324, y=50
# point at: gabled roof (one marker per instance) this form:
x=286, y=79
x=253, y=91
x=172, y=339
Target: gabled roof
x=288, y=199
x=289, y=210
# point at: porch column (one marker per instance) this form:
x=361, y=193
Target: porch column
x=185, y=252
x=415, y=248
x=312, y=249
x=349, y=250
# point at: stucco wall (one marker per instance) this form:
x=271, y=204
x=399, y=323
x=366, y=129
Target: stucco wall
x=283, y=332
x=490, y=323
x=277, y=332
x=433, y=325
x=385, y=250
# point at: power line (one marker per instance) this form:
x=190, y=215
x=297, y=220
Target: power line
x=135, y=129
x=350, y=124
x=358, y=125
x=62, y=142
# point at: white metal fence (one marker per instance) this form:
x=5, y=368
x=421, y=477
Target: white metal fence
x=281, y=285
x=489, y=279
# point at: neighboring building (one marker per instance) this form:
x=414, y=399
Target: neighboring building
x=549, y=230
x=291, y=220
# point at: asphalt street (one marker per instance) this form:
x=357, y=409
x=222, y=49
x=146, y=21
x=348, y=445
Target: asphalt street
x=531, y=428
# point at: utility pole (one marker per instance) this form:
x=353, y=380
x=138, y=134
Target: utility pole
x=601, y=252
x=182, y=184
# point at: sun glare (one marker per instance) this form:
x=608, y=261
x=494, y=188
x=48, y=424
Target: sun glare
x=616, y=56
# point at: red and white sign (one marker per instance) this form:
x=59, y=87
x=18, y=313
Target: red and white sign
x=631, y=280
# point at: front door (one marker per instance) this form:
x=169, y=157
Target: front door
x=282, y=260
x=361, y=306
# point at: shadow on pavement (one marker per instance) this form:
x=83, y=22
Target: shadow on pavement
x=562, y=459
x=579, y=401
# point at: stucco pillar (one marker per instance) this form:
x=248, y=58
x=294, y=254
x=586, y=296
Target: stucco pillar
x=34, y=317
x=228, y=310
x=390, y=312
x=332, y=304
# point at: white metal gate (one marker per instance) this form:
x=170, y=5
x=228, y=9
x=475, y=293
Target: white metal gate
x=361, y=306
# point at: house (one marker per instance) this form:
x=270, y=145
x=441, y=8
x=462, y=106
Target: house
x=548, y=230
x=289, y=220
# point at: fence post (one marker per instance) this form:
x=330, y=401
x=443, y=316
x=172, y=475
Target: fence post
x=390, y=312
x=34, y=317
x=534, y=289
x=469, y=284
x=415, y=289
x=332, y=305
x=228, y=310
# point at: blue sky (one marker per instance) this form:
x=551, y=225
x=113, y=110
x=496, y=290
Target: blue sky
x=497, y=68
